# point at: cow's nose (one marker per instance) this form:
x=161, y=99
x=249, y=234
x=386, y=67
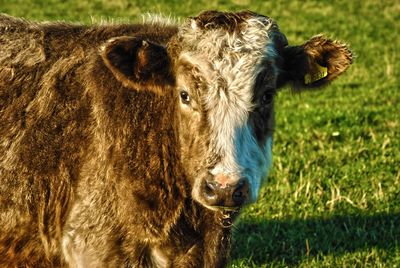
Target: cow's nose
x=225, y=196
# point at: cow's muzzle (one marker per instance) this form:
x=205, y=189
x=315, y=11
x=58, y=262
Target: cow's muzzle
x=225, y=196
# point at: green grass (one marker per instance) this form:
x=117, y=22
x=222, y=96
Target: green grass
x=333, y=197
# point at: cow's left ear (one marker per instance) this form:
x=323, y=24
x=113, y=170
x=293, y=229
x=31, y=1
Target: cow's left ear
x=138, y=64
x=313, y=64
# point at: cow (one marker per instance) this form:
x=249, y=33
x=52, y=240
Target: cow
x=136, y=145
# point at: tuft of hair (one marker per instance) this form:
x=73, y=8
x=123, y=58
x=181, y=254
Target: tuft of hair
x=102, y=21
x=160, y=19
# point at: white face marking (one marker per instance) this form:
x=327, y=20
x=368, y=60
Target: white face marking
x=254, y=161
x=250, y=160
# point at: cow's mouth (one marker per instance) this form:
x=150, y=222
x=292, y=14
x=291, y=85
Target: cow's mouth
x=224, y=209
x=228, y=209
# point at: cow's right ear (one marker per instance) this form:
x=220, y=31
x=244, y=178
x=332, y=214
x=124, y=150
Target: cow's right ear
x=138, y=64
x=313, y=64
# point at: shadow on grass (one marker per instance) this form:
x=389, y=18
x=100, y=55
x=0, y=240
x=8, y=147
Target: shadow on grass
x=292, y=241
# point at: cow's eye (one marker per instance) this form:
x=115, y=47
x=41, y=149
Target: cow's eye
x=185, y=97
x=267, y=98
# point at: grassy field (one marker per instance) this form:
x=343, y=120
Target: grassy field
x=333, y=197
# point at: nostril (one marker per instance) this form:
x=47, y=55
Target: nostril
x=238, y=197
x=210, y=193
x=209, y=188
x=240, y=194
x=237, y=194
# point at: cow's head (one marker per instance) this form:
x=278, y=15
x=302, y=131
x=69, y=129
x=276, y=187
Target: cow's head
x=227, y=69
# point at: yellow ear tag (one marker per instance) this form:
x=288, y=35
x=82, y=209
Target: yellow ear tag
x=321, y=73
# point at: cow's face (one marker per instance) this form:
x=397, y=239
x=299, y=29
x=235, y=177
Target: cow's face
x=228, y=67
x=225, y=69
x=226, y=81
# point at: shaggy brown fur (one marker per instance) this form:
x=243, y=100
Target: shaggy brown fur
x=93, y=170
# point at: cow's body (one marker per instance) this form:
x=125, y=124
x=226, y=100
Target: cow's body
x=91, y=169
x=64, y=135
